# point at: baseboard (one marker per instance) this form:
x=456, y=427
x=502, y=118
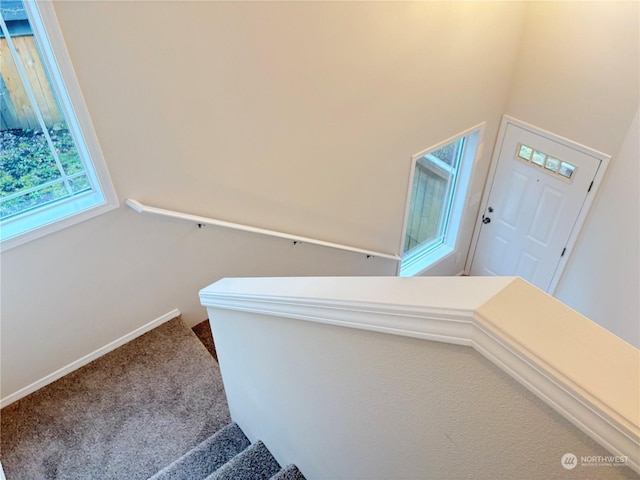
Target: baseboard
x=88, y=358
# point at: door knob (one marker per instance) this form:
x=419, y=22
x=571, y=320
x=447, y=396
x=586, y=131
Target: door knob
x=486, y=220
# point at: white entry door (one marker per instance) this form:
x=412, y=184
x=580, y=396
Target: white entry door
x=539, y=189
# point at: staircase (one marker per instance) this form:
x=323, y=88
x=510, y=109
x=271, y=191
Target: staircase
x=129, y=413
x=228, y=455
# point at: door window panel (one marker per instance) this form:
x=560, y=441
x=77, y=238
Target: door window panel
x=564, y=170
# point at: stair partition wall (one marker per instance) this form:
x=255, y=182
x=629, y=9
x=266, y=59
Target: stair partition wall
x=440, y=177
x=438, y=377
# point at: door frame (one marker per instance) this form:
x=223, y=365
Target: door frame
x=584, y=211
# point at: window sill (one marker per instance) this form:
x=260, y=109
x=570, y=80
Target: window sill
x=421, y=264
x=31, y=226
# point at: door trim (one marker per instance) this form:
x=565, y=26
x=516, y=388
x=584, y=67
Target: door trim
x=584, y=211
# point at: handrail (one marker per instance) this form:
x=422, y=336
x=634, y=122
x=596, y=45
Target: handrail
x=141, y=208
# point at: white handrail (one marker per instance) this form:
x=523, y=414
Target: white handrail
x=141, y=208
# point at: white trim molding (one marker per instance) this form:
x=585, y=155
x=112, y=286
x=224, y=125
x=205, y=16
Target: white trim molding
x=422, y=261
x=583, y=372
x=81, y=362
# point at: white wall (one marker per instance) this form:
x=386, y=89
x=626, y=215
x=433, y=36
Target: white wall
x=289, y=115
x=358, y=404
x=577, y=75
x=578, y=71
x=289, y=106
x=602, y=279
x=296, y=116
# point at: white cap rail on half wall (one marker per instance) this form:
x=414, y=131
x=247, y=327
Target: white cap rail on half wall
x=583, y=372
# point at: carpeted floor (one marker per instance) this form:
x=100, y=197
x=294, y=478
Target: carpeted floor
x=123, y=416
x=203, y=332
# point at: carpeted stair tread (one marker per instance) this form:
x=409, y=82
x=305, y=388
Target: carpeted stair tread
x=253, y=463
x=290, y=472
x=206, y=457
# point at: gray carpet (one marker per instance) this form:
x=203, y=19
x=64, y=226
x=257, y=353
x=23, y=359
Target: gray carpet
x=254, y=463
x=228, y=455
x=124, y=416
x=290, y=472
x=206, y=458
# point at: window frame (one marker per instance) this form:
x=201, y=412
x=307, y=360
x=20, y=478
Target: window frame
x=421, y=260
x=59, y=215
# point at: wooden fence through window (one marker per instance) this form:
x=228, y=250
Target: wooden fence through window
x=16, y=110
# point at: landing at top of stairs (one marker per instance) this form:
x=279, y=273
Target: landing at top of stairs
x=125, y=415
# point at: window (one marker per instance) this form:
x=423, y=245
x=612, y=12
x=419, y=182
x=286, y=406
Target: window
x=440, y=178
x=541, y=159
x=51, y=169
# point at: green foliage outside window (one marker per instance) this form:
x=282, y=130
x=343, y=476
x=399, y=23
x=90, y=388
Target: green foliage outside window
x=26, y=162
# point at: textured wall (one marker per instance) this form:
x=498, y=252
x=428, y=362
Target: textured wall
x=297, y=116
x=578, y=71
x=351, y=404
x=602, y=278
x=578, y=75
x=291, y=115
